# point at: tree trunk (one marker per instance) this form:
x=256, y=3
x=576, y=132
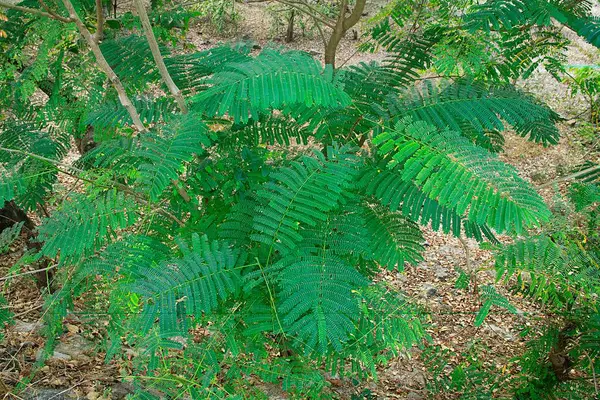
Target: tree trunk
x=289, y=37
x=332, y=45
x=10, y=215
x=342, y=26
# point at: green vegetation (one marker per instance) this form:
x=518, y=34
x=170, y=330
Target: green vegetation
x=236, y=208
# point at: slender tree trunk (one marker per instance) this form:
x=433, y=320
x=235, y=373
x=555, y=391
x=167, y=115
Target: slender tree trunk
x=289, y=36
x=164, y=73
x=99, y=35
x=342, y=26
x=105, y=67
x=332, y=45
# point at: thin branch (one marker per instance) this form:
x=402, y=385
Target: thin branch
x=49, y=10
x=310, y=13
x=320, y=31
x=42, y=158
x=104, y=66
x=164, y=73
x=99, y=35
x=354, y=17
x=593, y=373
x=571, y=176
x=118, y=185
x=35, y=271
x=35, y=12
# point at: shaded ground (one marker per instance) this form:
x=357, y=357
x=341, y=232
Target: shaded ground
x=76, y=369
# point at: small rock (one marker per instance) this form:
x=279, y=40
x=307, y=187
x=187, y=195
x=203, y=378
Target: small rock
x=74, y=346
x=441, y=273
x=429, y=290
x=25, y=327
x=504, y=333
x=121, y=390
x=49, y=394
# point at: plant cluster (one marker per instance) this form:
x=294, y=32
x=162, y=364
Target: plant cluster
x=240, y=206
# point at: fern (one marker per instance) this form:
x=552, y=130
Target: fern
x=84, y=225
x=317, y=304
x=460, y=104
x=389, y=188
x=186, y=286
x=395, y=240
x=164, y=156
x=131, y=59
x=8, y=236
x=450, y=170
x=300, y=195
x=267, y=82
x=491, y=298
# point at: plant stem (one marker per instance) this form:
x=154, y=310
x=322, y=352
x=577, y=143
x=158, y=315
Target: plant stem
x=164, y=73
x=35, y=12
x=99, y=35
x=105, y=67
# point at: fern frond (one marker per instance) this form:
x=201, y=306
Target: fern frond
x=397, y=194
x=186, y=286
x=165, y=154
x=111, y=114
x=189, y=71
x=131, y=59
x=268, y=82
x=300, y=195
x=460, y=104
x=388, y=324
x=584, y=195
x=316, y=299
x=457, y=174
x=83, y=225
x=268, y=131
x=395, y=240
x=9, y=235
x=554, y=274
x=344, y=234
x=491, y=298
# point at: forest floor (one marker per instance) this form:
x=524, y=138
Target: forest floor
x=75, y=370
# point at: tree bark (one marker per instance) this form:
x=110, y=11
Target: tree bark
x=105, y=67
x=99, y=35
x=35, y=12
x=342, y=26
x=289, y=36
x=164, y=73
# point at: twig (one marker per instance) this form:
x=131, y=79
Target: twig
x=593, y=373
x=160, y=63
x=52, y=12
x=35, y=12
x=105, y=67
x=309, y=11
x=571, y=176
x=28, y=311
x=35, y=271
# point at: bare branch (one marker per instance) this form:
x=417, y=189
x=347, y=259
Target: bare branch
x=103, y=64
x=571, y=176
x=35, y=12
x=99, y=35
x=308, y=11
x=354, y=17
x=164, y=73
